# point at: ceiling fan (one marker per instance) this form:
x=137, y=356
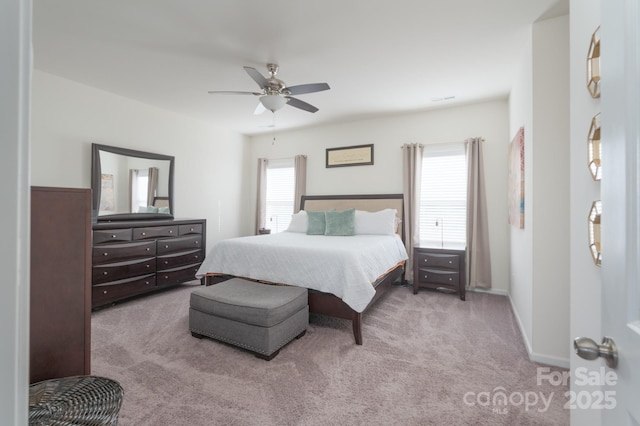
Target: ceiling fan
x=275, y=93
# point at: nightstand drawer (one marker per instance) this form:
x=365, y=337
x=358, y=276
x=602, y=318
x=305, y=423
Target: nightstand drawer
x=439, y=277
x=436, y=260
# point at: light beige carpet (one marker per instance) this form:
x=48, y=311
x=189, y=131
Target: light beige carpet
x=427, y=359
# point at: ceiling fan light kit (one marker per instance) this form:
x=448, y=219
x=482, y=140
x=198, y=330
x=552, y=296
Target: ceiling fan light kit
x=273, y=102
x=275, y=93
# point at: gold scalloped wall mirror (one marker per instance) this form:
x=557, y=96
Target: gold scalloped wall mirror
x=593, y=65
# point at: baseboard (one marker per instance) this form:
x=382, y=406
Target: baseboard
x=489, y=291
x=549, y=360
x=542, y=359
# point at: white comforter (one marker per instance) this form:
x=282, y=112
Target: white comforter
x=343, y=266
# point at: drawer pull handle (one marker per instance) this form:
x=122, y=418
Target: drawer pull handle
x=166, y=277
x=105, y=273
x=196, y=242
x=147, y=249
x=147, y=282
x=166, y=262
x=190, y=229
x=143, y=233
x=105, y=254
x=450, y=279
x=104, y=292
x=451, y=261
x=113, y=236
x=166, y=246
x=171, y=231
x=148, y=266
x=426, y=276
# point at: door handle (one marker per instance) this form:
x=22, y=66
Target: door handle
x=588, y=349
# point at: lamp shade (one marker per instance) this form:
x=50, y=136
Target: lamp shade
x=273, y=102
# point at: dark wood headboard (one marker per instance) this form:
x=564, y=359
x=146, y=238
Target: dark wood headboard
x=366, y=202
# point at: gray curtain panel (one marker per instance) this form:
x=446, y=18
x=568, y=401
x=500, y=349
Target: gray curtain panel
x=152, y=185
x=411, y=176
x=262, y=194
x=478, y=253
x=300, y=170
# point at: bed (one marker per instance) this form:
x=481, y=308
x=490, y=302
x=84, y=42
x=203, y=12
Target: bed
x=345, y=275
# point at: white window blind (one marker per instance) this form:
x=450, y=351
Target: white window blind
x=280, y=194
x=443, y=194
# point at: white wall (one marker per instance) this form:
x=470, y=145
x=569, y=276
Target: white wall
x=585, y=278
x=487, y=119
x=551, y=189
x=540, y=252
x=521, y=245
x=15, y=73
x=67, y=117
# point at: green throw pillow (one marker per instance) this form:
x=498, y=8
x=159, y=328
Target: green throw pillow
x=316, y=223
x=340, y=222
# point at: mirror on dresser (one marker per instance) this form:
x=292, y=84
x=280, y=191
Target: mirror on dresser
x=131, y=185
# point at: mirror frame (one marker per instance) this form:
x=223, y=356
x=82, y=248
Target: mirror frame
x=96, y=172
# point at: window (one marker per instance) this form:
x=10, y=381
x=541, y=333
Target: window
x=280, y=194
x=139, y=189
x=443, y=194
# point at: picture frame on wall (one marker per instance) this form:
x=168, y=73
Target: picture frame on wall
x=516, y=180
x=357, y=155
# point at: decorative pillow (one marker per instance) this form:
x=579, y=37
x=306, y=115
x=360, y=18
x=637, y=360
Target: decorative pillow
x=340, y=222
x=316, y=223
x=382, y=222
x=299, y=222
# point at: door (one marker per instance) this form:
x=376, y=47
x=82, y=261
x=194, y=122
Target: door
x=621, y=204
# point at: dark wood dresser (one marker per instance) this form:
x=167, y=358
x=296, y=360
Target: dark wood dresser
x=440, y=268
x=60, y=289
x=136, y=257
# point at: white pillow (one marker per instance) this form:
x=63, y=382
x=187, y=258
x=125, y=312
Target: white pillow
x=382, y=222
x=299, y=222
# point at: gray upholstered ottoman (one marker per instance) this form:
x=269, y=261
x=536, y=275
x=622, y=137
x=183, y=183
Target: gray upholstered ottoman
x=258, y=317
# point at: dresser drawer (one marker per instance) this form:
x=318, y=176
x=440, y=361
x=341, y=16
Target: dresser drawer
x=175, y=260
x=120, y=270
x=155, y=232
x=118, y=252
x=108, y=293
x=177, y=276
x=179, y=244
x=436, y=260
x=112, y=235
x=194, y=228
x=439, y=276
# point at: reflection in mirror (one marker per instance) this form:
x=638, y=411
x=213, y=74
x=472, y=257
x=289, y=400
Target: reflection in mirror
x=130, y=184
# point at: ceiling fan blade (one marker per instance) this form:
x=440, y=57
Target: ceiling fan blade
x=300, y=104
x=259, y=109
x=232, y=92
x=307, y=88
x=257, y=77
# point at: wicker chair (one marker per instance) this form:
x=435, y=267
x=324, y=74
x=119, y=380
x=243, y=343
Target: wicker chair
x=77, y=400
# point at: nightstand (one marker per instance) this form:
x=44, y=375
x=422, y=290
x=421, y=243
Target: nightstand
x=440, y=268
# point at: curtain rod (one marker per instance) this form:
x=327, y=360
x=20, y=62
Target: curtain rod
x=444, y=143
